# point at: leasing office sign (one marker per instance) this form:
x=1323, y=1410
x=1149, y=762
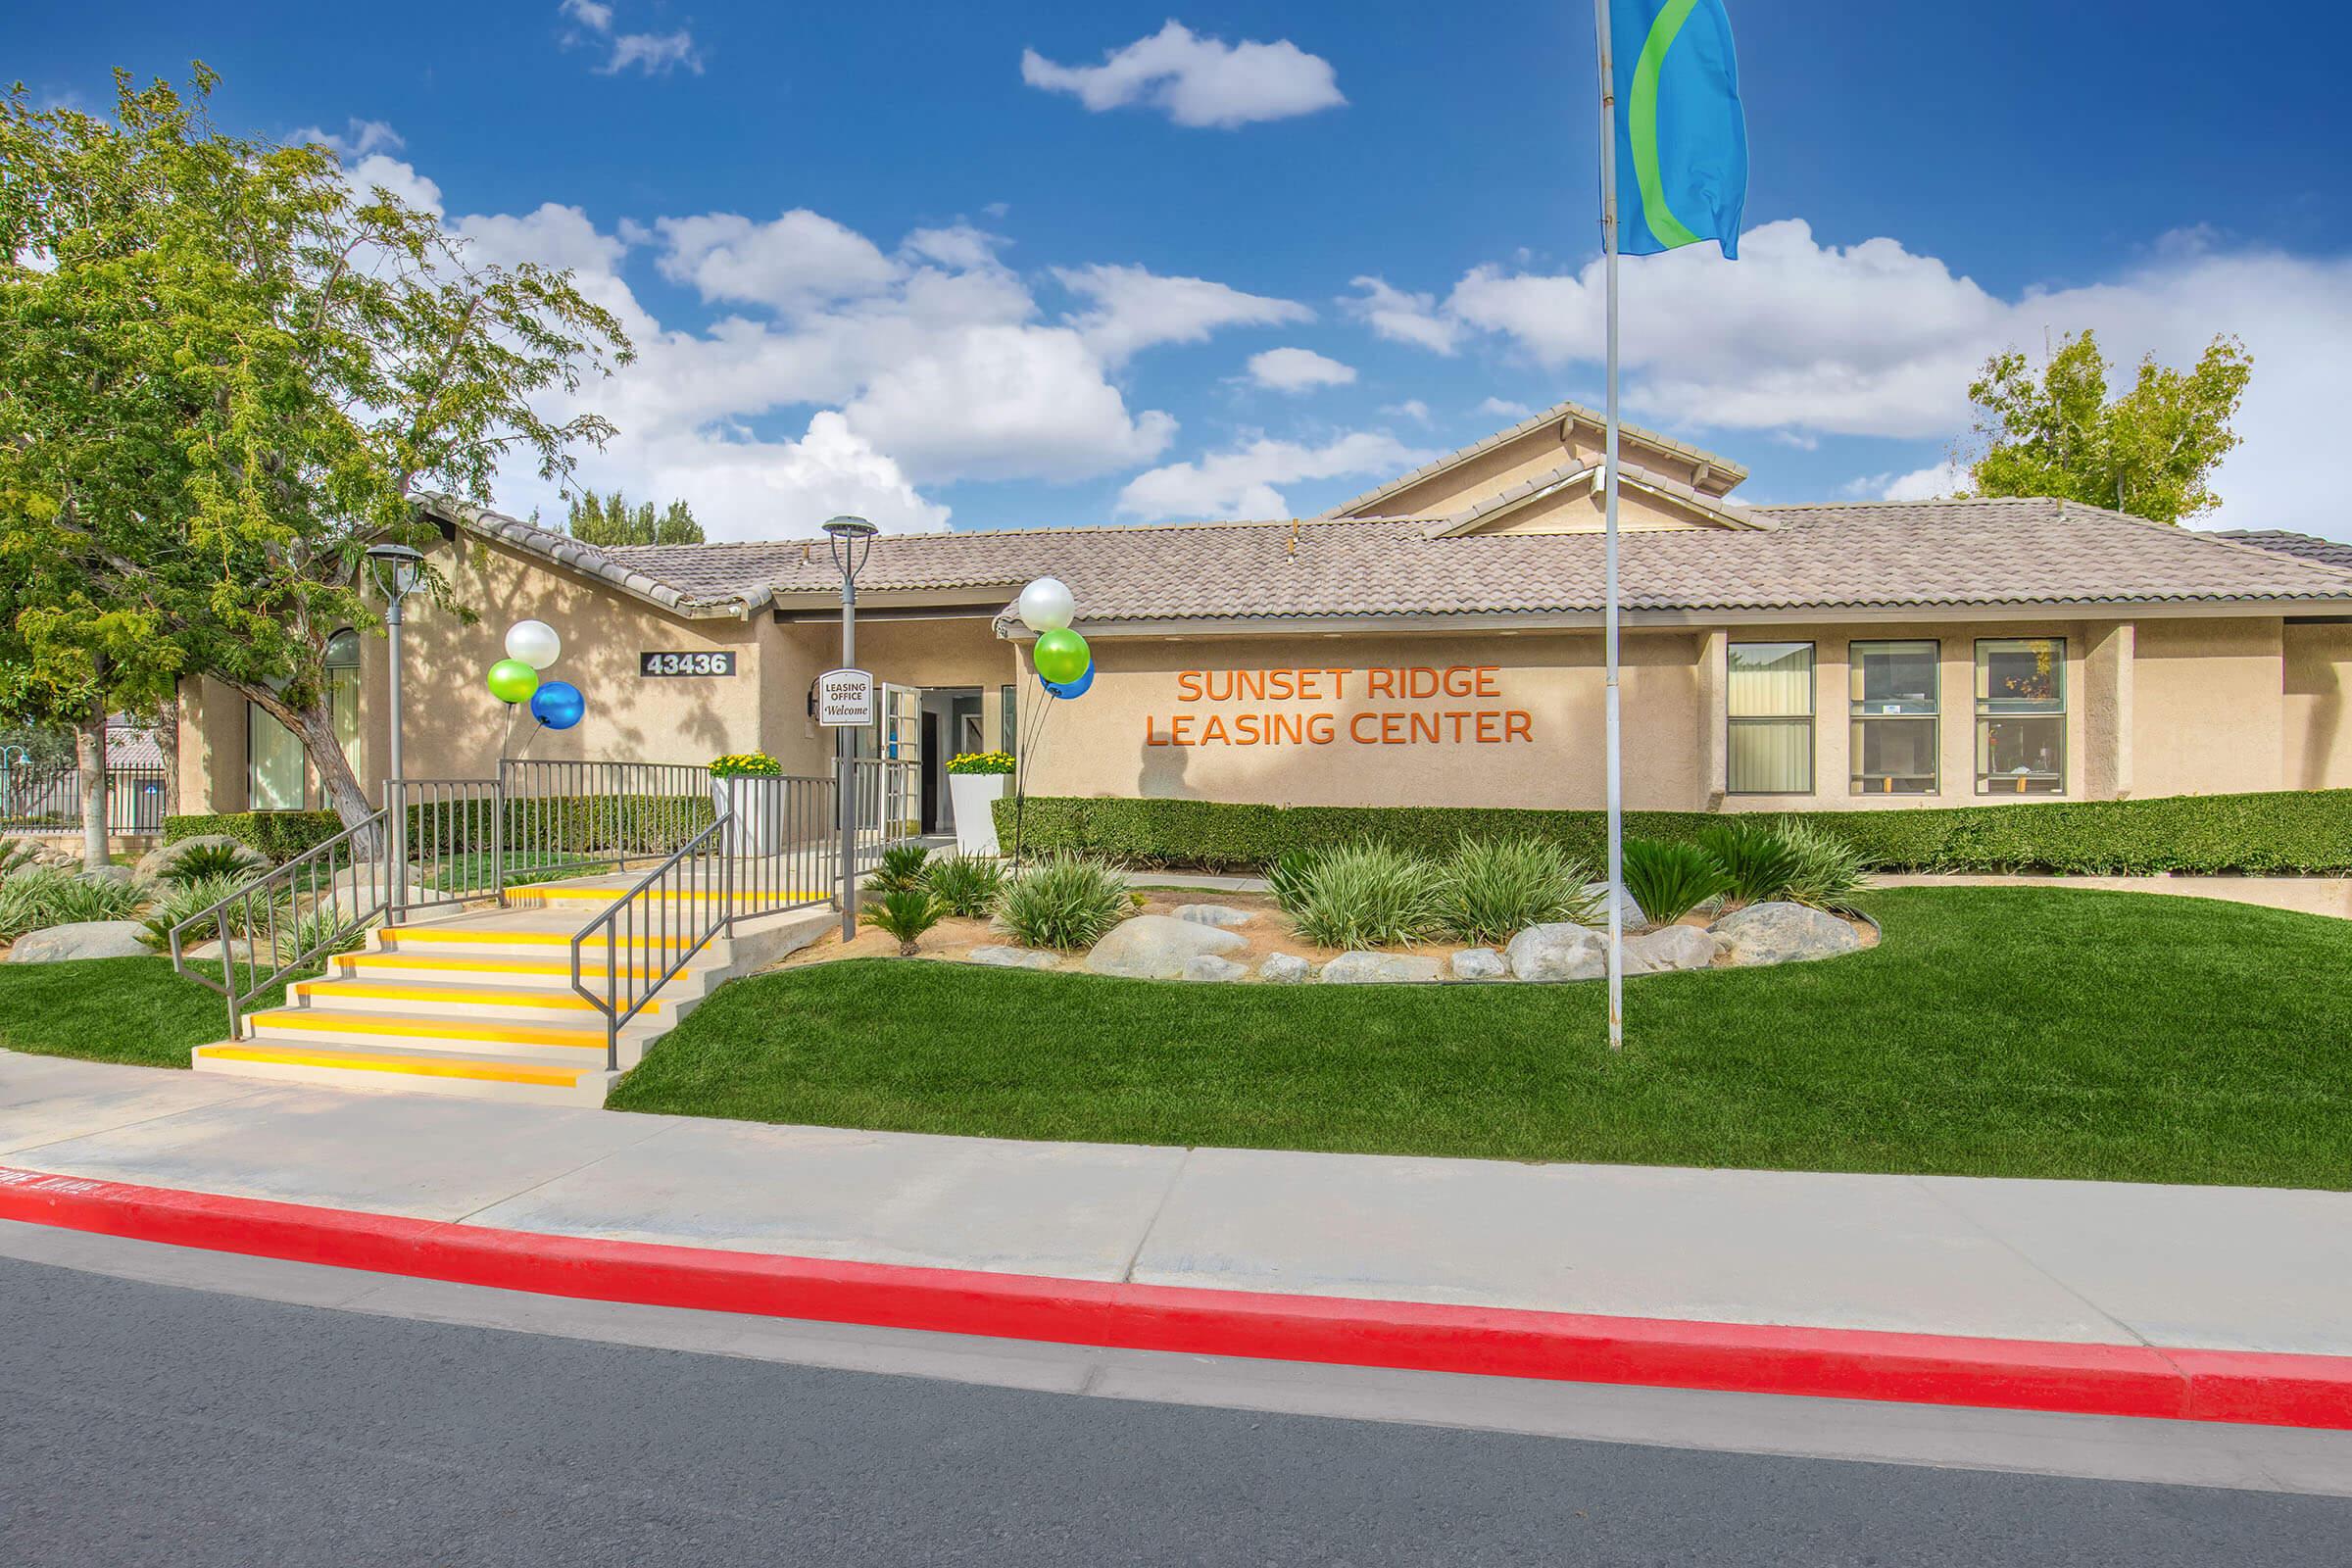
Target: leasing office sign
x=845, y=699
x=1455, y=705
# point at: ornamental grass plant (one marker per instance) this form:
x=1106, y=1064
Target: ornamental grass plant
x=1363, y=895
x=34, y=900
x=1064, y=901
x=1826, y=872
x=1492, y=888
x=967, y=884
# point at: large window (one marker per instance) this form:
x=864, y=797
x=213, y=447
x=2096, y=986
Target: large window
x=2020, y=715
x=1892, y=690
x=273, y=763
x=1770, y=702
x=1008, y=719
x=343, y=696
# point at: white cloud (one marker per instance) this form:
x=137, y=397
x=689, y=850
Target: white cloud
x=1195, y=80
x=783, y=489
x=798, y=261
x=1403, y=318
x=1872, y=339
x=1135, y=308
x=361, y=136
x=1298, y=371
x=1240, y=482
x=1932, y=483
x=1412, y=409
x=656, y=54
x=1503, y=409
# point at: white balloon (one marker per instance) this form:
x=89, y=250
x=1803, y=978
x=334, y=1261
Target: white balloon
x=1046, y=606
x=534, y=642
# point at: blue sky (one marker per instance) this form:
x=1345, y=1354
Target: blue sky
x=881, y=261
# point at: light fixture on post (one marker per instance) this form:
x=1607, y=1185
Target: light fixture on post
x=851, y=539
x=397, y=570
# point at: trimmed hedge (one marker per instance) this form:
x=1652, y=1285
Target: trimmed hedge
x=2289, y=831
x=565, y=825
x=281, y=835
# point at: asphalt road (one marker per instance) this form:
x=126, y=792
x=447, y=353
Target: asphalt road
x=149, y=1424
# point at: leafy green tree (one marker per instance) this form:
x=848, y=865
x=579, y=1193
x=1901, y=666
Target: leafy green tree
x=225, y=373
x=2149, y=452
x=611, y=521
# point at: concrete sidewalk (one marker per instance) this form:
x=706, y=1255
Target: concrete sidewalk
x=2220, y=1268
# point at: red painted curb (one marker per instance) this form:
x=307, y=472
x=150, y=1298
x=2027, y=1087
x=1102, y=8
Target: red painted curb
x=2137, y=1380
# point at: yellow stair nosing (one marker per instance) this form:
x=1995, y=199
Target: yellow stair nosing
x=420, y=1066
x=395, y=935
x=480, y=964
x=488, y=1031
x=426, y=991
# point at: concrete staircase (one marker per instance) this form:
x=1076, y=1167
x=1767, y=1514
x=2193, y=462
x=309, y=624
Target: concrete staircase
x=479, y=1002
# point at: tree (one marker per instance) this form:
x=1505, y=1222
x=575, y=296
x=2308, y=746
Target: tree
x=611, y=521
x=2149, y=452
x=225, y=373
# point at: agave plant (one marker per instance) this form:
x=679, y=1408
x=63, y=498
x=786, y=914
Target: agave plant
x=1670, y=879
x=905, y=913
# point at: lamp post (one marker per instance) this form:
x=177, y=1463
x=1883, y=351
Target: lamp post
x=397, y=569
x=851, y=539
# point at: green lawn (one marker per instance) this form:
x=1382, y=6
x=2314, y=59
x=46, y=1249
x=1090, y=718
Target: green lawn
x=2010, y=1032
x=113, y=1010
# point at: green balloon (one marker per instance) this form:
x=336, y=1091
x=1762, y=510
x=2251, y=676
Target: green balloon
x=511, y=680
x=1059, y=655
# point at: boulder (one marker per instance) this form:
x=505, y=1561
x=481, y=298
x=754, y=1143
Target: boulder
x=110, y=873
x=1217, y=915
x=83, y=939
x=1480, y=964
x=1375, y=969
x=1674, y=947
x=1156, y=946
x=1566, y=950
x=1208, y=966
x=1598, y=893
x=1002, y=957
x=1783, y=933
x=160, y=861
x=1285, y=969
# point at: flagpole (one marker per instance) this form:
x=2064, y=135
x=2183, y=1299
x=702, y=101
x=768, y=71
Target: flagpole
x=1608, y=251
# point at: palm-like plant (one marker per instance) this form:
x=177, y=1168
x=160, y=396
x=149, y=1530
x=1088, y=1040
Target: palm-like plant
x=901, y=868
x=1670, y=879
x=1756, y=861
x=905, y=914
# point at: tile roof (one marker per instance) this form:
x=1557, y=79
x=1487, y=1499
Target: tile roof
x=2303, y=545
x=1932, y=554
x=1628, y=434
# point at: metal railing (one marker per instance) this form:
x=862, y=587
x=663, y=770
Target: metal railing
x=890, y=806
x=448, y=836
x=284, y=920
x=49, y=800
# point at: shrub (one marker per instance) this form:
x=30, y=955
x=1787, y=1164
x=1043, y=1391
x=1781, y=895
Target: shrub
x=1757, y=863
x=34, y=900
x=279, y=835
x=980, y=762
x=1361, y=895
x=1494, y=887
x=1670, y=879
x=905, y=913
x=969, y=885
x=175, y=901
x=900, y=869
x=315, y=934
x=202, y=862
x=1827, y=871
x=2287, y=830
x=1065, y=902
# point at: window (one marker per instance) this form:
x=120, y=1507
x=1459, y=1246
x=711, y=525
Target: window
x=2020, y=715
x=272, y=764
x=1892, y=690
x=343, y=696
x=1009, y=720
x=1771, y=702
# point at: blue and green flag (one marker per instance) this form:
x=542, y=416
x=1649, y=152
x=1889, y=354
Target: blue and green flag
x=1681, y=141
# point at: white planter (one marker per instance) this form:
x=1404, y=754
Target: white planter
x=975, y=796
x=757, y=825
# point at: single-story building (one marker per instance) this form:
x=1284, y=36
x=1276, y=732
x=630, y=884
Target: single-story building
x=1435, y=639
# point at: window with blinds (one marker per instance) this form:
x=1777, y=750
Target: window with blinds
x=1893, y=699
x=1769, y=748
x=273, y=763
x=343, y=696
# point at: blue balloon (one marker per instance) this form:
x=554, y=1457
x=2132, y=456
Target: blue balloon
x=558, y=704
x=1066, y=689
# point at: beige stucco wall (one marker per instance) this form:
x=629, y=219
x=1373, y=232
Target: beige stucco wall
x=2207, y=707
x=1118, y=740
x=2316, y=718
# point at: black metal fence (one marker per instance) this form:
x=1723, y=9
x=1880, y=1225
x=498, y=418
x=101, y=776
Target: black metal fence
x=49, y=800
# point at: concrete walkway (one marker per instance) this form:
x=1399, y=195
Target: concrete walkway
x=2225, y=1268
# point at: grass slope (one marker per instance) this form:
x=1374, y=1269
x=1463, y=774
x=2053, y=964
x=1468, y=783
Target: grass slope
x=1996, y=1031
x=132, y=1010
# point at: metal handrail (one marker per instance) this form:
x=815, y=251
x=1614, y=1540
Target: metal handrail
x=716, y=918
x=363, y=844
